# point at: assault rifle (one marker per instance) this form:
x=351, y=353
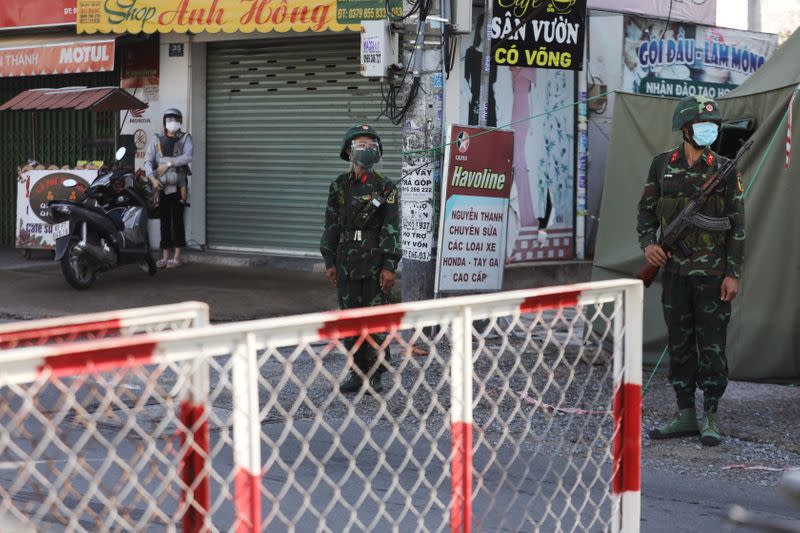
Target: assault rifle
x=672, y=237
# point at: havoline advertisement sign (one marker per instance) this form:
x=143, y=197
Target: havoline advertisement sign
x=472, y=237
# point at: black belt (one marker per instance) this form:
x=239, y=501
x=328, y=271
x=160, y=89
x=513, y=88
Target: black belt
x=357, y=235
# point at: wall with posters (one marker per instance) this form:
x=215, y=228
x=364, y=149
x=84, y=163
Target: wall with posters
x=140, y=77
x=544, y=181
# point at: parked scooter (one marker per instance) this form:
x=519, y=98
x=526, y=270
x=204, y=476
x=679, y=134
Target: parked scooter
x=107, y=229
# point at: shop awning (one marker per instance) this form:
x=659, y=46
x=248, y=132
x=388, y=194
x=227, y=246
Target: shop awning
x=55, y=54
x=78, y=98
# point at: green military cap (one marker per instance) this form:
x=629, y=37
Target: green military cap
x=358, y=130
x=695, y=109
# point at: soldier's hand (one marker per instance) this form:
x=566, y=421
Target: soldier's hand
x=729, y=290
x=161, y=169
x=387, y=281
x=655, y=255
x=331, y=275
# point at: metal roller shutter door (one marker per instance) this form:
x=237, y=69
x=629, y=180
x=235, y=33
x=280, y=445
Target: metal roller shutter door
x=276, y=112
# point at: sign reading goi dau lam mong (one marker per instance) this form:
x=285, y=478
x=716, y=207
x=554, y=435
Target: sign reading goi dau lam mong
x=538, y=33
x=472, y=240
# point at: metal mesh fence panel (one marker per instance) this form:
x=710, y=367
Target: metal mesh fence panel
x=103, y=325
x=498, y=412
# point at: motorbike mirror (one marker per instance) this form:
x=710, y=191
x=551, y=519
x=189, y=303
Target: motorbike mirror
x=120, y=153
x=69, y=182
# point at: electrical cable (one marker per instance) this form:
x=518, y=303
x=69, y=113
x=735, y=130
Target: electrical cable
x=669, y=19
x=391, y=109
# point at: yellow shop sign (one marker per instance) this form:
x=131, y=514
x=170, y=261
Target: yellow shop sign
x=150, y=16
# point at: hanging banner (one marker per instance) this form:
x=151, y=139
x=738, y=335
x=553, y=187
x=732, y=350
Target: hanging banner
x=36, y=13
x=35, y=188
x=212, y=16
x=38, y=59
x=472, y=239
x=680, y=59
x=539, y=33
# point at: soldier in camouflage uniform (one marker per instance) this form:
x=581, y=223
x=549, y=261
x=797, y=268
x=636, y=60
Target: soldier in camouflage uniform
x=698, y=288
x=361, y=245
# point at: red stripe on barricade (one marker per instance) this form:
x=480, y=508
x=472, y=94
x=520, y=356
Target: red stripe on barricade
x=461, y=477
x=192, y=466
x=628, y=438
x=549, y=301
x=80, y=361
x=351, y=323
x=247, y=496
x=71, y=332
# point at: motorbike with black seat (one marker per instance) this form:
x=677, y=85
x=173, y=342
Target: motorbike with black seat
x=104, y=230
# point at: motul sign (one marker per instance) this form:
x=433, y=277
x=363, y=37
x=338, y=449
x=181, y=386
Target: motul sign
x=57, y=58
x=33, y=13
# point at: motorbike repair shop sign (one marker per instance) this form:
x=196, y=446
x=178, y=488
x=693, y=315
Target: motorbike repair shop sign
x=538, y=33
x=35, y=188
x=472, y=238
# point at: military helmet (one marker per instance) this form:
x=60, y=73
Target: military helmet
x=358, y=130
x=695, y=109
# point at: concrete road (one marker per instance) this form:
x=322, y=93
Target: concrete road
x=671, y=501
x=36, y=289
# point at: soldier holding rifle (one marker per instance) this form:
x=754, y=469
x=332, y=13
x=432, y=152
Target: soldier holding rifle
x=695, y=197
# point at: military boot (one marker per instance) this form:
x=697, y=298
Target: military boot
x=683, y=425
x=376, y=383
x=352, y=383
x=709, y=435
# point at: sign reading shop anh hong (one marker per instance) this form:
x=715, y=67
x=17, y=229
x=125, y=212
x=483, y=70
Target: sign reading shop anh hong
x=196, y=16
x=472, y=240
x=539, y=33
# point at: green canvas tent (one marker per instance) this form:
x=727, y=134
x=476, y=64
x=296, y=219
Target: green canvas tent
x=764, y=333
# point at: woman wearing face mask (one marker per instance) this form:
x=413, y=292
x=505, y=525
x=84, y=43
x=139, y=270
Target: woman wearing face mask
x=167, y=167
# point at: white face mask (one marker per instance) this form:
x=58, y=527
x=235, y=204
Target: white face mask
x=173, y=126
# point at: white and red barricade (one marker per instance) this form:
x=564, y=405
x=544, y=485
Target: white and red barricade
x=240, y=344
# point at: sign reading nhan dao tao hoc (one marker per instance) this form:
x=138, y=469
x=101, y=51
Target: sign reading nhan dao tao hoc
x=472, y=237
x=539, y=33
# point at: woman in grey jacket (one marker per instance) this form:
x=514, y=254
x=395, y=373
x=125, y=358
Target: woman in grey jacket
x=167, y=167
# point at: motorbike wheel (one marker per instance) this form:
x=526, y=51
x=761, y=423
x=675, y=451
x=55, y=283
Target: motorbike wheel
x=76, y=271
x=148, y=265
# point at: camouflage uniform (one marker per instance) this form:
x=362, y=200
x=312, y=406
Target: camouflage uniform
x=696, y=317
x=359, y=259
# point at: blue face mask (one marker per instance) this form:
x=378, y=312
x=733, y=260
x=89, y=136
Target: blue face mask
x=704, y=133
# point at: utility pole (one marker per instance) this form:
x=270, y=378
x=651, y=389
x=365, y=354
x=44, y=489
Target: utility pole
x=422, y=131
x=754, y=15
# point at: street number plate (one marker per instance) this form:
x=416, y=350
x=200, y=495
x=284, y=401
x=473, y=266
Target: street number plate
x=60, y=230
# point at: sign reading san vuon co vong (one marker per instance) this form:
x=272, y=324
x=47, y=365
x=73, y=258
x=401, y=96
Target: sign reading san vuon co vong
x=150, y=16
x=538, y=33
